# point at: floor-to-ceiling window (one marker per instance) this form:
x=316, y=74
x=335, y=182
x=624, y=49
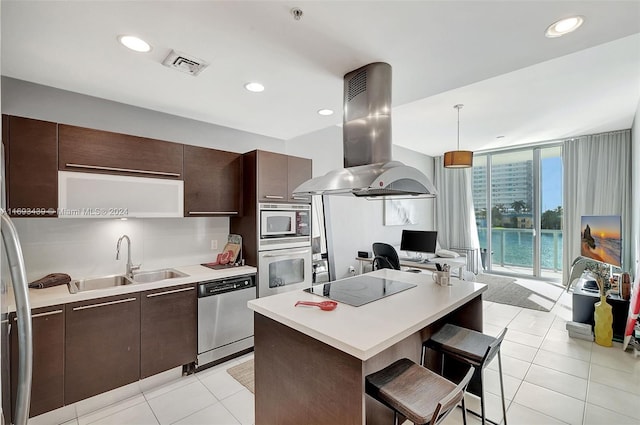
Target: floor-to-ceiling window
x=518, y=205
x=551, y=212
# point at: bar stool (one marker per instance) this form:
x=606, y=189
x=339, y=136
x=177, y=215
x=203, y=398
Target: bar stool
x=420, y=395
x=473, y=348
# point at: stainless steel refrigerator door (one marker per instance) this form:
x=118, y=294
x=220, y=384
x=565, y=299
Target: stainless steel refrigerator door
x=5, y=370
x=15, y=260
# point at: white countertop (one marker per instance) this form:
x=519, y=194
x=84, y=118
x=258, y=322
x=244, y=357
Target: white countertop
x=60, y=294
x=367, y=330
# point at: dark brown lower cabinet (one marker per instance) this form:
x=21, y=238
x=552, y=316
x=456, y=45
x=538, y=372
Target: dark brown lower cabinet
x=102, y=349
x=48, y=359
x=168, y=332
x=89, y=347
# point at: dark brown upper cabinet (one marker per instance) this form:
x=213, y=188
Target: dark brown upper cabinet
x=212, y=182
x=96, y=151
x=299, y=172
x=272, y=177
x=278, y=175
x=31, y=161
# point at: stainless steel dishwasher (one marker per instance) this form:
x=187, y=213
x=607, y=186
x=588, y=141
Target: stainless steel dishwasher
x=225, y=323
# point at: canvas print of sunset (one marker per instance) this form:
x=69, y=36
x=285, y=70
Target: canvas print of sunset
x=601, y=238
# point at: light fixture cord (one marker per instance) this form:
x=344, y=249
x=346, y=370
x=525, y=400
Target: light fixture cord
x=458, y=107
x=458, y=128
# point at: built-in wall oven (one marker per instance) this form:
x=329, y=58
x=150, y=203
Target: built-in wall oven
x=282, y=270
x=284, y=245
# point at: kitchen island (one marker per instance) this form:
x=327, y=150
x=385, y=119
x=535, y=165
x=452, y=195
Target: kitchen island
x=310, y=364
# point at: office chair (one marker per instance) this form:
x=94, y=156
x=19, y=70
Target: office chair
x=385, y=257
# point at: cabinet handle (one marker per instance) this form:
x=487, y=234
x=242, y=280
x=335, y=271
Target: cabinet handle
x=127, y=170
x=157, y=294
x=274, y=197
x=48, y=313
x=300, y=198
x=212, y=212
x=84, y=307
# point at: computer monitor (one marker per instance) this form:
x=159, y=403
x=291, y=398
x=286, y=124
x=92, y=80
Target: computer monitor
x=419, y=241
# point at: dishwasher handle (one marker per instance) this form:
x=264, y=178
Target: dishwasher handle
x=217, y=287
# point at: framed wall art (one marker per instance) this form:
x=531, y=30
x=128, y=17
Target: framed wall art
x=399, y=212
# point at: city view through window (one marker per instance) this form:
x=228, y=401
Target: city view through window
x=518, y=206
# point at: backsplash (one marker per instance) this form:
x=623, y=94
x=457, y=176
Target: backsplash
x=87, y=247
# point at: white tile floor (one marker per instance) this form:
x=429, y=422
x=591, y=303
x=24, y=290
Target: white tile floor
x=211, y=396
x=549, y=379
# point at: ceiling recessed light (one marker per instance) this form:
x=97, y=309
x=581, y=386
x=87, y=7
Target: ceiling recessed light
x=134, y=43
x=564, y=26
x=254, y=87
x=325, y=112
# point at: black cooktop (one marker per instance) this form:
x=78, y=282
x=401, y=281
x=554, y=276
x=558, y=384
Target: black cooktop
x=359, y=290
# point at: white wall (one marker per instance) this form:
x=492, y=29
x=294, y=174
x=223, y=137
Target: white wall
x=87, y=247
x=635, y=190
x=323, y=146
x=357, y=223
x=31, y=100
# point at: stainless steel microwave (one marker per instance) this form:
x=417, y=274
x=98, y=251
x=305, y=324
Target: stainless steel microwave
x=284, y=225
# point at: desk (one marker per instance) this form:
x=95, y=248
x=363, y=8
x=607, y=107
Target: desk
x=460, y=263
x=310, y=364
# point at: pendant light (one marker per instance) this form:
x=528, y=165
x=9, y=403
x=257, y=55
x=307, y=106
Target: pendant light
x=458, y=158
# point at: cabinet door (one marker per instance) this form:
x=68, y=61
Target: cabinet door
x=212, y=182
x=31, y=148
x=272, y=177
x=169, y=329
x=299, y=172
x=102, y=349
x=90, y=195
x=47, y=386
x=95, y=151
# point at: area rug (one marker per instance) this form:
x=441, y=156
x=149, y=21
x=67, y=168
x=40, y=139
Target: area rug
x=243, y=373
x=506, y=290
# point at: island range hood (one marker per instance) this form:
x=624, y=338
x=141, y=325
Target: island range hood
x=369, y=171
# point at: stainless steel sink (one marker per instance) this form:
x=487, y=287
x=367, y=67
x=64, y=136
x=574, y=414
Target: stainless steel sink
x=156, y=275
x=83, y=285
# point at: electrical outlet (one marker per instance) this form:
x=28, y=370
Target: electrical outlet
x=352, y=270
x=214, y=244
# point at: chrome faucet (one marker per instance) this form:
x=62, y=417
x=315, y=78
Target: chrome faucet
x=130, y=266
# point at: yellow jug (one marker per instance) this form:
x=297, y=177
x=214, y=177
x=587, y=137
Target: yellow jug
x=603, y=318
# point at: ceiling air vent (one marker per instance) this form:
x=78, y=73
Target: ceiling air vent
x=184, y=63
